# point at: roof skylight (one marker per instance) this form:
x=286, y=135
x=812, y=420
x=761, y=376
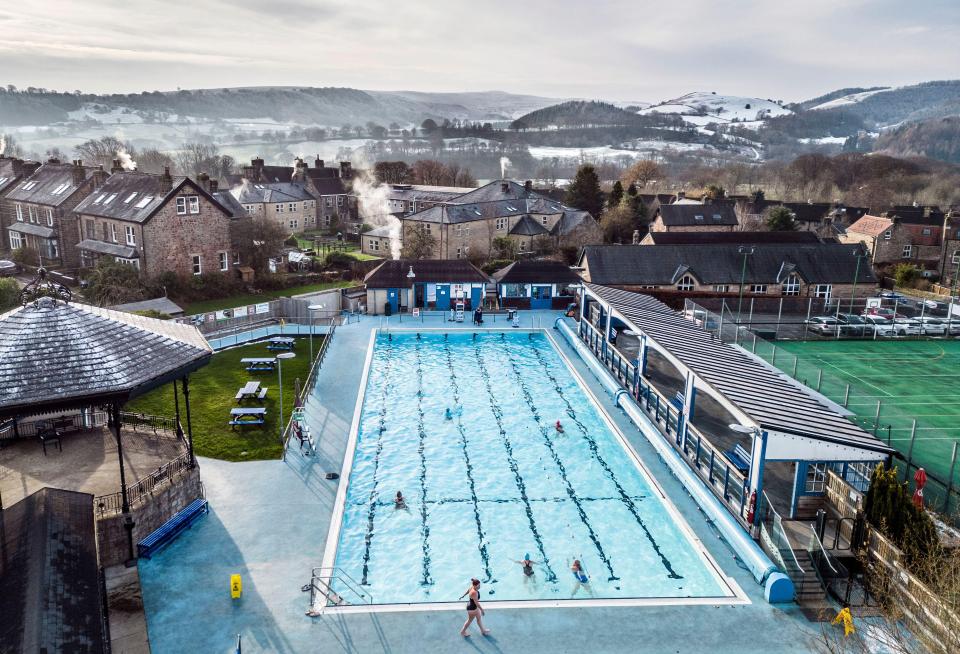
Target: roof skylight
x=29, y=185
x=100, y=199
x=130, y=198
x=144, y=201
x=113, y=196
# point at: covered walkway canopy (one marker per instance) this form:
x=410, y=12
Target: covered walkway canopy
x=789, y=421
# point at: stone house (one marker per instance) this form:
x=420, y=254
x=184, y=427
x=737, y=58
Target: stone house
x=379, y=241
x=820, y=270
x=156, y=223
x=470, y=224
x=950, y=250
x=890, y=239
x=12, y=170
x=41, y=209
x=684, y=217
x=288, y=204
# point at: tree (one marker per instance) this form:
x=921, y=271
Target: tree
x=102, y=151
x=715, y=192
x=391, y=172
x=758, y=196
x=504, y=248
x=780, y=219
x=257, y=240
x=905, y=274
x=642, y=173
x=618, y=224
x=616, y=194
x=584, y=192
x=9, y=294
x=428, y=126
x=518, y=125
x=110, y=282
x=418, y=243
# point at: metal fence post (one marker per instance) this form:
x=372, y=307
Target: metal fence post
x=876, y=419
x=796, y=360
x=846, y=396
x=953, y=462
x=754, y=349
x=913, y=437
x=773, y=357
x=776, y=333
x=819, y=378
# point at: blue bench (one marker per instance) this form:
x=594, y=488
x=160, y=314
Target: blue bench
x=739, y=457
x=172, y=528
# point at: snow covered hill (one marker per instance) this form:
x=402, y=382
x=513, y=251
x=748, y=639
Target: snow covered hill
x=852, y=98
x=720, y=108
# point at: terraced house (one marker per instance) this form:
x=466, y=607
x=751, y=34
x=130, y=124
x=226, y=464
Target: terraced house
x=470, y=223
x=156, y=223
x=41, y=209
x=288, y=204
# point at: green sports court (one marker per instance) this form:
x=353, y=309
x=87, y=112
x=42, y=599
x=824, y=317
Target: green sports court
x=914, y=380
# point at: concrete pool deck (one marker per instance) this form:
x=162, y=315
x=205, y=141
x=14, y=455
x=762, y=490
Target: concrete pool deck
x=269, y=521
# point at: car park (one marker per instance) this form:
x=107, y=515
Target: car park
x=879, y=326
x=852, y=325
x=907, y=327
x=933, y=326
x=892, y=295
x=883, y=312
x=824, y=325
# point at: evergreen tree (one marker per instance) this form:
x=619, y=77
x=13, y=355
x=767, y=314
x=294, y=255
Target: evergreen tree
x=780, y=219
x=584, y=192
x=616, y=194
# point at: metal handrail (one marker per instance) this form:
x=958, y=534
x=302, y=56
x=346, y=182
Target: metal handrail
x=321, y=583
x=779, y=532
x=113, y=502
x=310, y=383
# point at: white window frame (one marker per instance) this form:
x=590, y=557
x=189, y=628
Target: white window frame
x=329, y=201
x=196, y=263
x=758, y=289
x=501, y=224
x=686, y=284
x=19, y=212
x=824, y=291
x=721, y=288
x=16, y=240
x=887, y=235
x=543, y=219
x=375, y=244
x=236, y=258
x=339, y=200
x=49, y=217
x=224, y=259
x=294, y=223
x=791, y=286
x=181, y=205
x=816, y=480
x=113, y=233
x=193, y=203
x=907, y=251
x=131, y=235
x=32, y=211
x=926, y=231
x=278, y=207
x=292, y=207
x=955, y=259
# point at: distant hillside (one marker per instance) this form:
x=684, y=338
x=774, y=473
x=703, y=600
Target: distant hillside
x=839, y=94
x=889, y=106
x=579, y=113
x=937, y=138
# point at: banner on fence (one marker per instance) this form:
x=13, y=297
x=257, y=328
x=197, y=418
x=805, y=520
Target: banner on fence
x=240, y=312
x=263, y=307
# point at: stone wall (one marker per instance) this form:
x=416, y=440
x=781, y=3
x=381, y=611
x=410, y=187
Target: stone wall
x=148, y=516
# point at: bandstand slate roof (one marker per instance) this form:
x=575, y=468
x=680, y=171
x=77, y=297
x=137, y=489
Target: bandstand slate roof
x=767, y=397
x=59, y=354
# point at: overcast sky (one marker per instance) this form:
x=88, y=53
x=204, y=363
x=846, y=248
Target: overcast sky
x=612, y=49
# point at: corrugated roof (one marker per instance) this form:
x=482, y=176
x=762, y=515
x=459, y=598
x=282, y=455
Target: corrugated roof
x=773, y=401
x=57, y=354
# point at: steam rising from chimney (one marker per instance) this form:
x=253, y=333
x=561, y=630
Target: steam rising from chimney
x=504, y=164
x=126, y=161
x=3, y=144
x=374, y=202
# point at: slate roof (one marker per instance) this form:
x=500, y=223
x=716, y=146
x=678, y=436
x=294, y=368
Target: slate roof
x=228, y=202
x=29, y=228
x=424, y=193
x=712, y=238
x=133, y=196
x=9, y=172
x=40, y=187
x=393, y=273
x=809, y=212
x=161, y=304
x=51, y=598
x=537, y=271
x=256, y=193
x=871, y=225
x=527, y=226
x=677, y=215
x=384, y=231
x=61, y=355
x=663, y=265
x=494, y=191
x=770, y=398
x=328, y=185
x=110, y=249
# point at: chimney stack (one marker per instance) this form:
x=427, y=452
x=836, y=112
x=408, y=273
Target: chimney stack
x=203, y=180
x=214, y=186
x=528, y=186
x=166, y=181
x=299, y=170
x=318, y=162
x=79, y=174
x=257, y=165
x=636, y=237
x=30, y=167
x=116, y=167
x=53, y=160
x=504, y=187
x=16, y=164
x=346, y=170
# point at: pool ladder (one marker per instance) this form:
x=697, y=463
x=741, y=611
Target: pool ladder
x=321, y=586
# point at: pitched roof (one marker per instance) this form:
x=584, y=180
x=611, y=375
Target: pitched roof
x=536, y=271
x=570, y=220
x=135, y=197
x=769, y=397
x=161, y=304
x=871, y=225
x=256, y=193
x=740, y=238
x=393, y=273
x=527, y=226
x=677, y=215
x=51, y=184
x=51, y=598
x=56, y=354
x=328, y=185
x=658, y=265
x=425, y=193
x=382, y=231
x=29, y=228
x=809, y=212
x=499, y=189
x=228, y=202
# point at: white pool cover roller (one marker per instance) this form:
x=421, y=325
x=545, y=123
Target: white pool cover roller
x=746, y=548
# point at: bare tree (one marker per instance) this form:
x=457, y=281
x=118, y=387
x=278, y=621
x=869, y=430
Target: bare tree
x=642, y=173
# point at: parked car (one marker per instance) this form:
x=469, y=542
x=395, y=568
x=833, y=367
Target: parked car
x=852, y=325
x=879, y=325
x=928, y=304
x=892, y=295
x=884, y=312
x=907, y=327
x=825, y=325
x=8, y=268
x=933, y=326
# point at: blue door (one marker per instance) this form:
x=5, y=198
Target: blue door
x=393, y=297
x=476, y=297
x=443, y=297
x=541, y=297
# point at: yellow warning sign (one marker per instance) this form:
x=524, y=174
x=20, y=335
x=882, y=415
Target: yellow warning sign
x=236, y=586
x=847, y=619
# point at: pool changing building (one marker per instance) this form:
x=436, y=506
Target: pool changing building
x=434, y=284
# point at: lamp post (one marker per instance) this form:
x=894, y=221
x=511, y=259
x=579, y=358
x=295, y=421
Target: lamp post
x=280, y=358
x=411, y=276
x=313, y=308
x=860, y=254
x=746, y=251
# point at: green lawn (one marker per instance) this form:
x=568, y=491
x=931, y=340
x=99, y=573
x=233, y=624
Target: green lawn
x=207, y=306
x=212, y=391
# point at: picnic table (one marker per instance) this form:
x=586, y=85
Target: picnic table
x=281, y=343
x=256, y=416
x=251, y=390
x=260, y=364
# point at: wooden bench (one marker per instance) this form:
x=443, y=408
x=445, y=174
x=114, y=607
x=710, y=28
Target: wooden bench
x=241, y=417
x=739, y=457
x=172, y=528
x=262, y=394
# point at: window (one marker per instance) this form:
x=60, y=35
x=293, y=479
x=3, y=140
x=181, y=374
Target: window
x=721, y=288
x=823, y=291
x=792, y=285
x=130, y=198
x=110, y=198
x=33, y=214
x=250, y=208
x=49, y=217
x=926, y=231
x=60, y=189
x=339, y=200
x=294, y=223
x=326, y=220
x=501, y=223
x=278, y=208
x=181, y=205
x=462, y=251
x=224, y=261
x=816, y=478
x=90, y=228
x=193, y=201
x=197, y=265
x=758, y=288
x=236, y=258
x=53, y=250
x=887, y=235
x=292, y=207
x=113, y=232
x=698, y=217
x=514, y=290
x=907, y=251
x=955, y=259
x=16, y=241
x=100, y=198
x=144, y=201
x=19, y=213
x=461, y=230
x=374, y=245
x=131, y=235
x=135, y=263
x=543, y=219
x=329, y=202
x=686, y=283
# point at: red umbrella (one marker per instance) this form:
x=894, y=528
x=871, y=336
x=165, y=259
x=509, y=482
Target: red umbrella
x=921, y=479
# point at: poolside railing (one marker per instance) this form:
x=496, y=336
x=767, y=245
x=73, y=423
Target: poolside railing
x=143, y=487
x=706, y=459
x=308, y=386
x=321, y=585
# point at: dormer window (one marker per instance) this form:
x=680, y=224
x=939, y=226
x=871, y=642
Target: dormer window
x=686, y=283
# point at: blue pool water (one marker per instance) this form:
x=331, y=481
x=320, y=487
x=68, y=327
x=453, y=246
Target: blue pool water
x=497, y=482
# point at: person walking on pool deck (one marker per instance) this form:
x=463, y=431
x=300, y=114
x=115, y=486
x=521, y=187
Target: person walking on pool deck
x=474, y=610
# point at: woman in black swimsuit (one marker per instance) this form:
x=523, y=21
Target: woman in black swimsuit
x=474, y=610
x=528, y=573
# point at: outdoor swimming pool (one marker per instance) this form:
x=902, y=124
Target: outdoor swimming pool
x=497, y=482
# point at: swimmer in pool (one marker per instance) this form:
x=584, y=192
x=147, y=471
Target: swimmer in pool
x=581, y=578
x=399, y=502
x=528, y=572
x=449, y=414
x=558, y=427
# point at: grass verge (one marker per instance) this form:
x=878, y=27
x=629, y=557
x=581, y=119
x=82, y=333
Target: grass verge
x=207, y=306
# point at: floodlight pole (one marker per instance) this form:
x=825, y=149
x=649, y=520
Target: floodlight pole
x=745, y=251
x=953, y=291
x=859, y=254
